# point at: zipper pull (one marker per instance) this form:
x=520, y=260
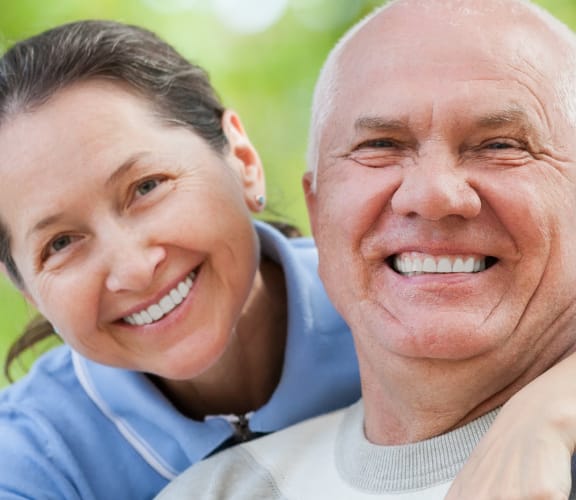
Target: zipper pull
x=242, y=431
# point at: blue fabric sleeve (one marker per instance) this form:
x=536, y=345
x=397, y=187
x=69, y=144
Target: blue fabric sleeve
x=30, y=466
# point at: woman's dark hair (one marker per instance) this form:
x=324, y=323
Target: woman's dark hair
x=33, y=70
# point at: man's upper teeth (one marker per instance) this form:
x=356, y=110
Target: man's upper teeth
x=164, y=305
x=417, y=263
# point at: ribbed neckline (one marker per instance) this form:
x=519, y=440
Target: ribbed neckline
x=394, y=469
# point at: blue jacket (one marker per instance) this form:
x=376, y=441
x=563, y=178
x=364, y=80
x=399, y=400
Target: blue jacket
x=75, y=429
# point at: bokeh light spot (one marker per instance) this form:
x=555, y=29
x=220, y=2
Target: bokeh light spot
x=249, y=16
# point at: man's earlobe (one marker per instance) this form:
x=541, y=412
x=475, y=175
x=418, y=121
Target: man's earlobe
x=310, y=197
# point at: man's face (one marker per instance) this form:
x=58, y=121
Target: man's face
x=445, y=205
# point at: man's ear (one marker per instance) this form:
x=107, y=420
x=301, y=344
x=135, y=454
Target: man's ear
x=244, y=158
x=311, y=200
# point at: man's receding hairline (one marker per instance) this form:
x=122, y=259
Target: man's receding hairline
x=324, y=89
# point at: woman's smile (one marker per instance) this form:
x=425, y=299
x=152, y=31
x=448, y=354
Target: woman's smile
x=165, y=305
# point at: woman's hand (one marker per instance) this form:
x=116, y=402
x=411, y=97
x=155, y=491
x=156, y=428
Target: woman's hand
x=527, y=453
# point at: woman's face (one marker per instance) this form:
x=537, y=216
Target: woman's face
x=133, y=237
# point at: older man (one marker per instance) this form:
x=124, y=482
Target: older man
x=442, y=196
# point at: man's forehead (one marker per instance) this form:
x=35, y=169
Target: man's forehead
x=392, y=49
x=412, y=29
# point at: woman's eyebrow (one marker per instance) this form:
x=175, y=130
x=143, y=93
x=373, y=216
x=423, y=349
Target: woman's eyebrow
x=124, y=168
x=44, y=223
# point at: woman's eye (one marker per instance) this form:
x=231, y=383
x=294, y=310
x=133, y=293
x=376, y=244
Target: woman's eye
x=57, y=244
x=143, y=188
x=140, y=189
x=60, y=243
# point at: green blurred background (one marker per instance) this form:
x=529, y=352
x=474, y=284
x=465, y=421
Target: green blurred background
x=263, y=57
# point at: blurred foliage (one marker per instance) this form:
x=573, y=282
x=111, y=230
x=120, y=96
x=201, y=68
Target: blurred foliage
x=266, y=76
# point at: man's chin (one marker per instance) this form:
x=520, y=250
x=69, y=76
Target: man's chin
x=441, y=336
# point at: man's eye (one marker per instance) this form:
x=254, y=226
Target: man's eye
x=378, y=143
x=500, y=145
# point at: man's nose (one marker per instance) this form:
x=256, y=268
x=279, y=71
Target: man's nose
x=434, y=188
x=132, y=263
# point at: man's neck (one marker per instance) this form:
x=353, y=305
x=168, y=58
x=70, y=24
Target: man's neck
x=417, y=400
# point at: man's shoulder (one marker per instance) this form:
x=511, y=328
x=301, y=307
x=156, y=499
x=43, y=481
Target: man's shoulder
x=261, y=468
x=318, y=431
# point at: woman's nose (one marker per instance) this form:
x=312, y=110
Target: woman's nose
x=132, y=264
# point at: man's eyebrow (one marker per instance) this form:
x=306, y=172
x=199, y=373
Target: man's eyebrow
x=122, y=170
x=379, y=123
x=513, y=115
x=510, y=116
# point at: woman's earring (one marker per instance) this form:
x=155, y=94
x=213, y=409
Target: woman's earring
x=260, y=200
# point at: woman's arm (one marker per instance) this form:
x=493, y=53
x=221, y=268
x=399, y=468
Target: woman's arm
x=527, y=452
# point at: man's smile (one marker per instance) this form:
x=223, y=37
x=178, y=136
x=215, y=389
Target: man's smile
x=416, y=263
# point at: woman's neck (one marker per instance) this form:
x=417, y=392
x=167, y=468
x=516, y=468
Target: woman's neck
x=245, y=377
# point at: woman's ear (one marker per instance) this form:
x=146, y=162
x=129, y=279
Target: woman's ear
x=245, y=160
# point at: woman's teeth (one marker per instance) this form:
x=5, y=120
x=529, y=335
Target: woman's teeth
x=412, y=263
x=164, y=305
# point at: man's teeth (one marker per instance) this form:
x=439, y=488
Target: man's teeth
x=414, y=263
x=164, y=305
